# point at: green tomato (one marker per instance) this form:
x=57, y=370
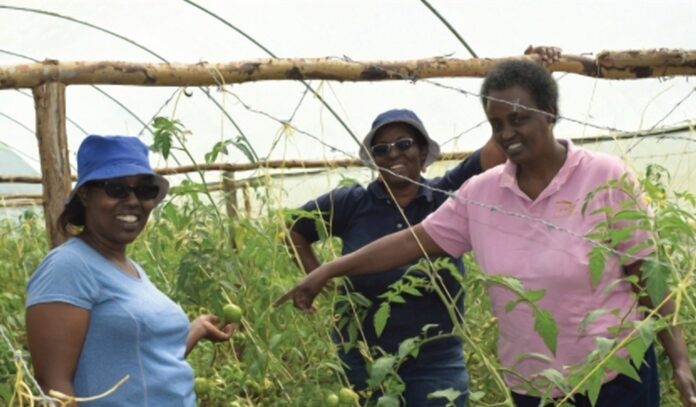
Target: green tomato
x=232, y=313
x=202, y=386
x=332, y=399
x=348, y=396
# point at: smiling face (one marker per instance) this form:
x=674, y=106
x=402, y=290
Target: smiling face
x=406, y=163
x=116, y=221
x=524, y=135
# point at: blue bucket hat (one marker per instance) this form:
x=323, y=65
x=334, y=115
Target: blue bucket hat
x=399, y=116
x=106, y=157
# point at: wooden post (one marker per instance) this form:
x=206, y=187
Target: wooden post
x=229, y=190
x=49, y=102
x=247, y=199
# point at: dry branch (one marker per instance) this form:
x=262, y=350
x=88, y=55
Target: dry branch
x=608, y=64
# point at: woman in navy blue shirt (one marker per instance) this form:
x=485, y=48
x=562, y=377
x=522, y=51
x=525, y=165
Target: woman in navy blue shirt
x=401, y=149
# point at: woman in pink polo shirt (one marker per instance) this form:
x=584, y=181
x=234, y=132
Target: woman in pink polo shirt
x=524, y=219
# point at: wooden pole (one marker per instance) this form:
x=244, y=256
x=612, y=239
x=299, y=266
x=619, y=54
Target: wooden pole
x=49, y=102
x=229, y=189
x=631, y=64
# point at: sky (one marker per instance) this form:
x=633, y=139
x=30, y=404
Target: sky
x=358, y=29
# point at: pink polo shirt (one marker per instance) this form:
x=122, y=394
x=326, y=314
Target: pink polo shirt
x=541, y=257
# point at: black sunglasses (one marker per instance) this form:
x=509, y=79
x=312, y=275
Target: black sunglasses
x=383, y=149
x=121, y=190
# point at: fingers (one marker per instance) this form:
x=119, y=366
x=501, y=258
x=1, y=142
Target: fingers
x=212, y=318
x=687, y=387
x=283, y=298
x=300, y=300
x=548, y=55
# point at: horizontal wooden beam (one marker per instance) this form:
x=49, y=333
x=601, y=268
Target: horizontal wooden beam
x=21, y=203
x=274, y=164
x=630, y=64
x=345, y=163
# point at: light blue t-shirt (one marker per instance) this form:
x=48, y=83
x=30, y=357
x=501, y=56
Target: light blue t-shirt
x=134, y=329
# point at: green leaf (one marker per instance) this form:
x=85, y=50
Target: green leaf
x=164, y=131
x=546, y=327
x=555, y=377
x=596, y=265
x=275, y=340
x=655, y=277
x=397, y=299
x=594, y=384
x=511, y=305
x=245, y=148
x=381, y=317
x=604, y=345
x=449, y=394
x=388, y=400
x=646, y=330
x=512, y=283
x=219, y=148
x=411, y=290
x=619, y=235
x=636, y=349
x=623, y=366
x=590, y=317
x=476, y=395
x=629, y=215
x=380, y=369
x=5, y=392
x=534, y=295
x=408, y=347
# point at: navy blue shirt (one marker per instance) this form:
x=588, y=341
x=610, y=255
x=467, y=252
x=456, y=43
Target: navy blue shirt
x=359, y=216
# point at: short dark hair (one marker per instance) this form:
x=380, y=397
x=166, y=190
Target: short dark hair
x=528, y=75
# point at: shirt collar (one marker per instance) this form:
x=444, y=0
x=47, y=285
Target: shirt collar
x=377, y=188
x=508, y=177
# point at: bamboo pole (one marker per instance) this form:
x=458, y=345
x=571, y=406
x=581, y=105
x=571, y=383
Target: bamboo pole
x=49, y=102
x=630, y=64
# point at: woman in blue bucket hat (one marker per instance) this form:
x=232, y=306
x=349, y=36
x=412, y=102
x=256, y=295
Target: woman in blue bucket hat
x=93, y=316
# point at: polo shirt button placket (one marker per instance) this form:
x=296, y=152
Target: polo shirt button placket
x=399, y=225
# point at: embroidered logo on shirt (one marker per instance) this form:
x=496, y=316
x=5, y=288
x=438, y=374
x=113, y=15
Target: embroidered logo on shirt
x=565, y=208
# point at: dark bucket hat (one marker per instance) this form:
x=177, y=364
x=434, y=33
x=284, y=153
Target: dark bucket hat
x=399, y=116
x=106, y=157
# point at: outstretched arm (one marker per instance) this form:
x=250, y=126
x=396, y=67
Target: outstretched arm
x=383, y=254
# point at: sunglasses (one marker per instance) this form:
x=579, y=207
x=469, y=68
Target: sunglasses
x=121, y=190
x=403, y=144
